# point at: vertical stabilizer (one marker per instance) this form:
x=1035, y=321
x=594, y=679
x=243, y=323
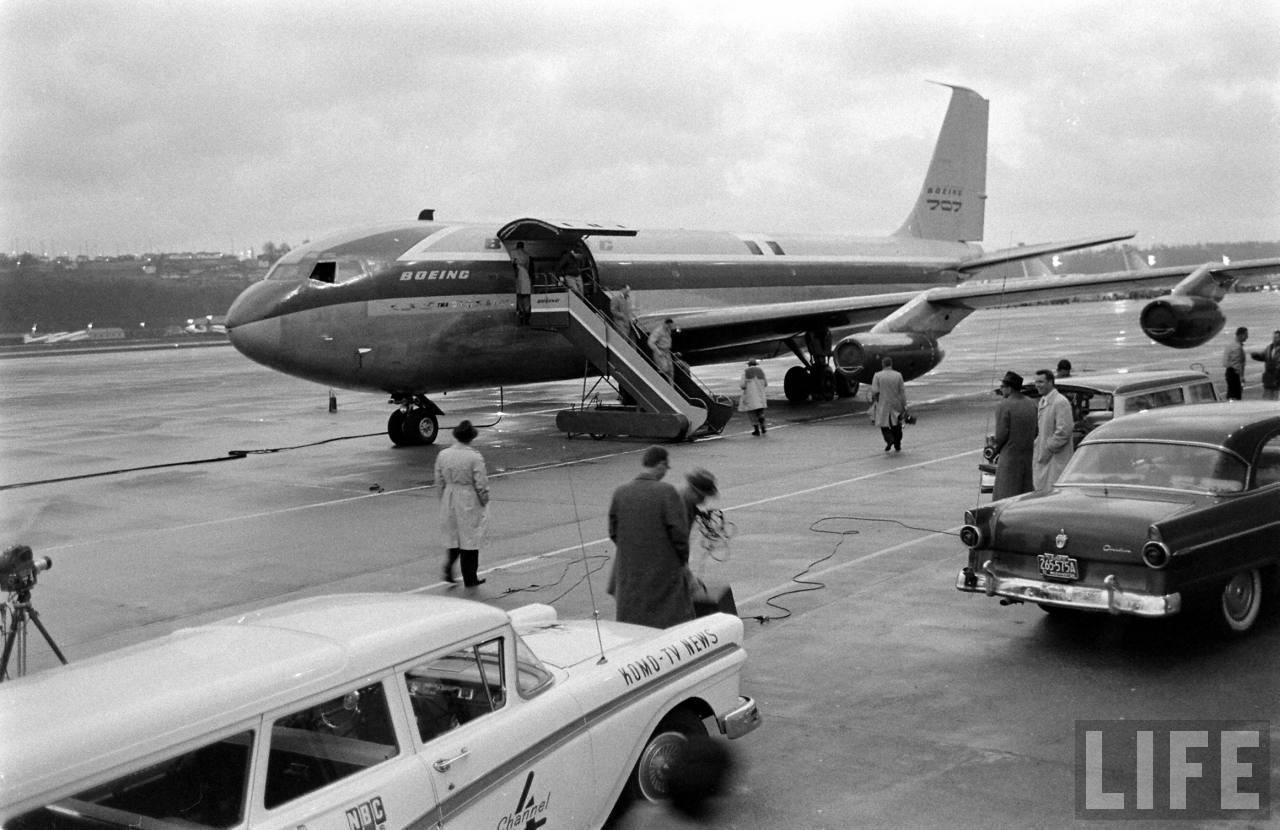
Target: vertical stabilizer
x=952, y=202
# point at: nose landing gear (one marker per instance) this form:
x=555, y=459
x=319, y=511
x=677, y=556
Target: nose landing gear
x=414, y=423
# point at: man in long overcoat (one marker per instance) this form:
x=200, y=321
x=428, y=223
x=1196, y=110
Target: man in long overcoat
x=889, y=403
x=1054, y=425
x=651, y=581
x=1015, y=439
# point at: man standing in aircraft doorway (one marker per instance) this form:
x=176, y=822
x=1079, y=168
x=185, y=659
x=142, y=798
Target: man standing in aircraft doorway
x=524, y=283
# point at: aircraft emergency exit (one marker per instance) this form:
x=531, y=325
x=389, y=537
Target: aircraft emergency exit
x=418, y=308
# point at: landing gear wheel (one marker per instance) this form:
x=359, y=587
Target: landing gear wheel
x=1236, y=605
x=796, y=384
x=421, y=426
x=396, y=431
x=845, y=388
x=824, y=384
x=649, y=780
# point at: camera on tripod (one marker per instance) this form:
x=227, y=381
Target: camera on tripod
x=18, y=568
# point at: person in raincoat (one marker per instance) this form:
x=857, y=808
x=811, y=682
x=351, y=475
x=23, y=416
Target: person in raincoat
x=889, y=404
x=753, y=401
x=651, y=581
x=1054, y=425
x=463, y=487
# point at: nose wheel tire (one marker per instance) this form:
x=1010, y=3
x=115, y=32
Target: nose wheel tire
x=415, y=427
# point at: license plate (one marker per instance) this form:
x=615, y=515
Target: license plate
x=1059, y=566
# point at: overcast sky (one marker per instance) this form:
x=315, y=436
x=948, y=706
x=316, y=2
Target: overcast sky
x=130, y=126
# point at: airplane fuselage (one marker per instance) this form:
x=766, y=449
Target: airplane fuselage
x=426, y=306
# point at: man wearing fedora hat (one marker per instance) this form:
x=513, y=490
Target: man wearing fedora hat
x=1015, y=439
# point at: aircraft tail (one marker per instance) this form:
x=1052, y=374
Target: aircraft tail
x=952, y=203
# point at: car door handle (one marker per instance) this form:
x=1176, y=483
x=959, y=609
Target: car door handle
x=443, y=764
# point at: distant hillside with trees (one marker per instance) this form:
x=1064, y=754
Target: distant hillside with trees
x=69, y=301
x=1111, y=258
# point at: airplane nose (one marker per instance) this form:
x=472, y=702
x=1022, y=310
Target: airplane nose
x=253, y=321
x=258, y=302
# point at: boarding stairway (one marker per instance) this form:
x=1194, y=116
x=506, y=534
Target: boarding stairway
x=661, y=410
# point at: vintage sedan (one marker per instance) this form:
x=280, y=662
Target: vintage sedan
x=1098, y=398
x=368, y=711
x=1156, y=513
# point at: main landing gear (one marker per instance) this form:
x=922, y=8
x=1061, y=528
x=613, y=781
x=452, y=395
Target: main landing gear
x=414, y=423
x=815, y=379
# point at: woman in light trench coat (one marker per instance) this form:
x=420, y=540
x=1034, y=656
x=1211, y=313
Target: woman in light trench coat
x=463, y=487
x=753, y=401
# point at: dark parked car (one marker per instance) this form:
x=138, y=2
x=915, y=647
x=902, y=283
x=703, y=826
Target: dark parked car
x=1097, y=398
x=1159, y=512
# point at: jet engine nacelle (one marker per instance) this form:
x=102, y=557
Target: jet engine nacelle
x=1182, y=322
x=860, y=355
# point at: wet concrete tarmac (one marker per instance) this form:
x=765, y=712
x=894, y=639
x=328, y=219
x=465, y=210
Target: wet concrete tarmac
x=891, y=700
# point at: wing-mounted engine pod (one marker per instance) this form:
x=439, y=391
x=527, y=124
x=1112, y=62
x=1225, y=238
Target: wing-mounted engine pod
x=1182, y=322
x=913, y=354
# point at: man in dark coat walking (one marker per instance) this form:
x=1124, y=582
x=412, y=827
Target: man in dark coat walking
x=1015, y=439
x=651, y=581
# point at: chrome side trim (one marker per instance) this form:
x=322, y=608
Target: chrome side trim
x=1111, y=598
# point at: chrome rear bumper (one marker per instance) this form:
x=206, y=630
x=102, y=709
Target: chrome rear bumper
x=741, y=720
x=1112, y=597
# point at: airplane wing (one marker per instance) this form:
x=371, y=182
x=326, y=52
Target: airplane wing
x=702, y=333
x=1022, y=252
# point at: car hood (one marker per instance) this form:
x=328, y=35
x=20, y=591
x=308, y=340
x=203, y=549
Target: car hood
x=567, y=643
x=1101, y=523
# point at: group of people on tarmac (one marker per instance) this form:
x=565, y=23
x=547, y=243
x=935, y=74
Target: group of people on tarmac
x=1032, y=438
x=650, y=523
x=1233, y=366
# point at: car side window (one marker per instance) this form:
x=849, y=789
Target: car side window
x=456, y=688
x=1164, y=397
x=1201, y=392
x=327, y=742
x=203, y=787
x=1267, y=469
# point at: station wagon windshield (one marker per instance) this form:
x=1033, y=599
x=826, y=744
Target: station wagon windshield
x=1188, y=467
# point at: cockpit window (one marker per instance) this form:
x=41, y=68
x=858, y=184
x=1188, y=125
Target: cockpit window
x=325, y=268
x=283, y=271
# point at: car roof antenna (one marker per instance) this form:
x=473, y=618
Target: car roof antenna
x=586, y=566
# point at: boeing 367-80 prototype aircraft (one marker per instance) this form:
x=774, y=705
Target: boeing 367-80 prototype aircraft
x=418, y=308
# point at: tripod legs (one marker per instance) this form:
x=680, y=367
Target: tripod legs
x=21, y=612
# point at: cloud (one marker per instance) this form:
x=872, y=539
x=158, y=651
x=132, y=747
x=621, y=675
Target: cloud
x=201, y=125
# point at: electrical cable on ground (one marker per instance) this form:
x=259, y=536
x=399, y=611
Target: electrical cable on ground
x=232, y=455
x=813, y=585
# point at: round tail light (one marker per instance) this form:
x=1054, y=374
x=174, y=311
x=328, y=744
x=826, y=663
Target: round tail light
x=1155, y=554
x=971, y=536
